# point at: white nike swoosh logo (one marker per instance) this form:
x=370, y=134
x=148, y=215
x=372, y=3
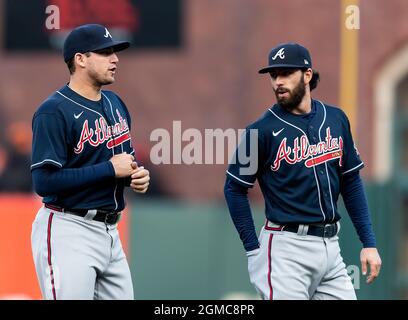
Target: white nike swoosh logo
x=76, y=116
x=276, y=133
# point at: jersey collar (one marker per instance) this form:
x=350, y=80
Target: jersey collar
x=96, y=105
x=315, y=113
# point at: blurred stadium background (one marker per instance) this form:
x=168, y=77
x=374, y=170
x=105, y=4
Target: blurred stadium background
x=196, y=61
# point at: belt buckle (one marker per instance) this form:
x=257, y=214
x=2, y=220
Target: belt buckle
x=107, y=218
x=328, y=231
x=114, y=215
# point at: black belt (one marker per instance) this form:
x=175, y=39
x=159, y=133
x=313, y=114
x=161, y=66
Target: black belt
x=109, y=217
x=326, y=231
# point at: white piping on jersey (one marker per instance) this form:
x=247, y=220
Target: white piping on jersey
x=114, y=119
x=46, y=160
x=112, y=116
x=89, y=110
x=114, y=196
x=121, y=146
x=314, y=168
x=353, y=168
x=81, y=105
x=248, y=183
x=113, y=152
x=325, y=164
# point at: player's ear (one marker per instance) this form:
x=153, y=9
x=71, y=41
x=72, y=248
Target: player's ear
x=307, y=75
x=80, y=59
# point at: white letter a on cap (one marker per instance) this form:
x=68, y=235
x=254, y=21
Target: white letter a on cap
x=107, y=34
x=280, y=54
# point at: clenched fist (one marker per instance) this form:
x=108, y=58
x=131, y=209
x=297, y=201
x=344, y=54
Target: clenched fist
x=122, y=163
x=140, y=179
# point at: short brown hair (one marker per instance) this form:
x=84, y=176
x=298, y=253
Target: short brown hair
x=315, y=80
x=71, y=63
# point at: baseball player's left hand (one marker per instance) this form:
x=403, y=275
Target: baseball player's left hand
x=370, y=256
x=140, y=179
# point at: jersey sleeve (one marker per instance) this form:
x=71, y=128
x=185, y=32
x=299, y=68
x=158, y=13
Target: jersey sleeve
x=49, y=140
x=243, y=167
x=351, y=161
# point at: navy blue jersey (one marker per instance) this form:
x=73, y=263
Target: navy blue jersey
x=300, y=162
x=71, y=131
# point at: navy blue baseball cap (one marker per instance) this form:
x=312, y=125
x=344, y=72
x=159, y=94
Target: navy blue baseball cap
x=288, y=55
x=88, y=38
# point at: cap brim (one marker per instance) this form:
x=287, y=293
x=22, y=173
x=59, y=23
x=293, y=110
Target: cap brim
x=116, y=45
x=269, y=68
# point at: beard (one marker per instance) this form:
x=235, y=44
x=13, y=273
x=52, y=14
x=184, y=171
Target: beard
x=99, y=79
x=294, y=98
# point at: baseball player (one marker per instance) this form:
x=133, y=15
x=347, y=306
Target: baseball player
x=305, y=158
x=82, y=159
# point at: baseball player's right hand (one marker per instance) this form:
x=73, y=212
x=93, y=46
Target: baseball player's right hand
x=122, y=163
x=140, y=179
x=370, y=258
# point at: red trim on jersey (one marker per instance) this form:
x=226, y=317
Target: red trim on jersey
x=270, y=267
x=118, y=140
x=323, y=158
x=49, y=254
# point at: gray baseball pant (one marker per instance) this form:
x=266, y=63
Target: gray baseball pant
x=79, y=259
x=290, y=266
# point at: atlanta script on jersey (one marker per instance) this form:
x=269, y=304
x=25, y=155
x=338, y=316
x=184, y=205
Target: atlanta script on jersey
x=70, y=131
x=301, y=159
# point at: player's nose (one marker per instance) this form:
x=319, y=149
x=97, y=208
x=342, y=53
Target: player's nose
x=114, y=58
x=279, y=80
